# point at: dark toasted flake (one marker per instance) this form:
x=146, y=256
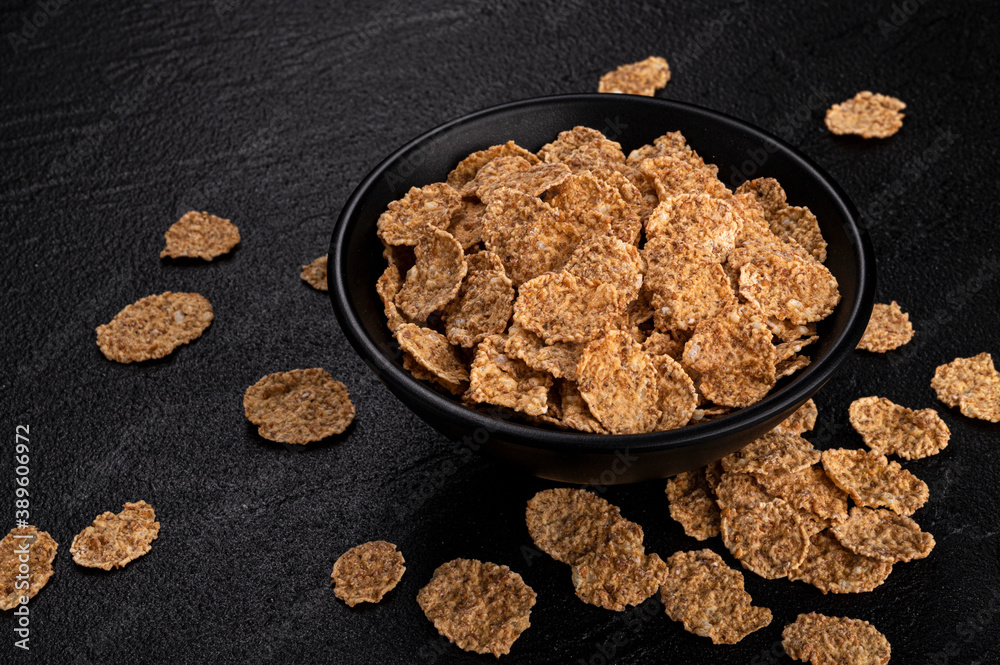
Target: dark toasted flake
x=366, y=572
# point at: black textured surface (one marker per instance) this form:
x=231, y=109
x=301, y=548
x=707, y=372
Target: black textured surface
x=117, y=118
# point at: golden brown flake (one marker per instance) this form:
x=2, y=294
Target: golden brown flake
x=423, y=209
x=505, y=381
x=431, y=350
x=388, y=286
x=479, y=606
x=888, y=328
x=582, y=148
x=873, y=481
x=787, y=350
x=516, y=173
x=314, y=274
x=638, y=78
x=823, y=640
x=679, y=175
x=467, y=223
x=620, y=384
x=792, y=223
x=200, y=235
x=788, y=285
x=677, y=395
x=972, y=384
x=469, y=167
x=482, y=307
x=114, y=540
x=832, y=568
x=692, y=504
x=734, y=357
x=739, y=491
x=435, y=278
x=607, y=259
x=703, y=222
x=686, y=286
x=617, y=573
x=768, y=538
x=882, y=534
x=768, y=192
x=808, y=489
x=575, y=412
x=41, y=551
x=366, y=572
x=558, y=359
x=891, y=429
x=152, y=327
x=790, y=366
x=568, y=523
x=529, y=235
x=493, y=175
x=869, y=115
x=300, y=406
x=595, y=207
x=802, y=420
x=561, y=307
x=708, y=597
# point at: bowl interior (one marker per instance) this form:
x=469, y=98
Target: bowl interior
x=739, y=150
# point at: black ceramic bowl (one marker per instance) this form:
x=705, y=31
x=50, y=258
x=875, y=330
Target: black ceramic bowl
x=739, y=150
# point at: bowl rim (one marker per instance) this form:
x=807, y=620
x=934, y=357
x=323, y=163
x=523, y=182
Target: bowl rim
x=569, y=441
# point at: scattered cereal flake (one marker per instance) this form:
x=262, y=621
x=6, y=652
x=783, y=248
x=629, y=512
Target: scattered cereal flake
x=740, y=491
x=300, y=406
x=677, y=395
x=768, y=538
x=708, y=597
x=607, y=259
x=891, y=429
x=788, y=285
x=114, y=540
x=558, y=359
x=808, y=489
x=467, y=223
x=41, y=551
x=469, y=167
x=529, y=235
x=638, y=78
x=520, y=175
x=407, y=220
x=867, y=114
x=772, y=452
x=823, y=640
x=873, y=481
x=692, y=504
x=883, y=534
x=152, y=327
x=686, y=286
x=582, y=148
x=703, y=222
x=568, y=523
x=435, y=278
x=832, y=568
x=561, y=307
x=888, y=328
x=617, y=573
x=734, y=356
x=620, y=384
x=575, y=412
x=314, y=274
x=672, y=175
x=972, y=384
x=200, y=235
x=431, y=350
x=479, y=606
x=388, y=286
x=482, y=307
x=595, y=207
x=504, y=381
x=366, y=572
x=791, y=366
x=802, y=420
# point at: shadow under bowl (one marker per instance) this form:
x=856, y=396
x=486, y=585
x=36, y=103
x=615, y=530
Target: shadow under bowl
x=739, y=150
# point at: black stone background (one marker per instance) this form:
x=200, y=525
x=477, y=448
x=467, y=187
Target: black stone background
x=117, y=117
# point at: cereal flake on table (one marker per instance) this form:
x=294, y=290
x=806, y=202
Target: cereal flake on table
x=154, y=326
x=200, y=235
x=638, y=78
x=300, y=406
